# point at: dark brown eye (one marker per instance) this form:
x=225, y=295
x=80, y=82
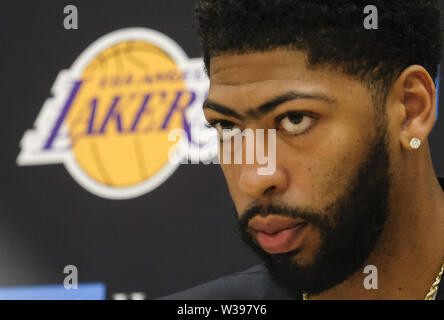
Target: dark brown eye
x=226, y=129
x=296, y=123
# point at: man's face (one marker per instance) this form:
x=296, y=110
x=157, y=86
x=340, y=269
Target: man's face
x=319, y=215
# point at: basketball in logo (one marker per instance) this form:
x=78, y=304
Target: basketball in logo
x=120, y=120
x=111, y=114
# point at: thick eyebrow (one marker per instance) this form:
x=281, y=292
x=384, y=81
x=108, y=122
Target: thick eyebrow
x=266, y=107
x=209, y=104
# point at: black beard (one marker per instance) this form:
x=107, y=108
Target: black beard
x=350, y=228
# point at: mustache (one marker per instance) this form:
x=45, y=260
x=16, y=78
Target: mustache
x=311, y=216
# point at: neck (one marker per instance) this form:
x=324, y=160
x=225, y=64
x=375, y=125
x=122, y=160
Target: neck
x=410, y=252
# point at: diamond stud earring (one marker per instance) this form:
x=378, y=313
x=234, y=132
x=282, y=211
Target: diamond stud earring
x=415, y=143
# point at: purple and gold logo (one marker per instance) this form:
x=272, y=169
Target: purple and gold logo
x=111, y=113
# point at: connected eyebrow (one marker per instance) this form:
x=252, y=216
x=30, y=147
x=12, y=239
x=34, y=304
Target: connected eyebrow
x=266, y=107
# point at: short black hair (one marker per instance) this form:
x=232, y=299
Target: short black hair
x=331, y=32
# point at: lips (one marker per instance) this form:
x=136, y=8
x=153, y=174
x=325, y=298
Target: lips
x=277, y=234
x=272, y=223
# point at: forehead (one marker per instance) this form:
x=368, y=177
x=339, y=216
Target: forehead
x=259, y=75
x=256, y=66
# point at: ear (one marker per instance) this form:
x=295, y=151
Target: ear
x=417, y=96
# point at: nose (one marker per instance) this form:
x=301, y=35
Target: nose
x=258, y=186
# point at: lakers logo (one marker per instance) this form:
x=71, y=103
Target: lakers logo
x=111, y=114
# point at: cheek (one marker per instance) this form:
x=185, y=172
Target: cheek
x=319, y=174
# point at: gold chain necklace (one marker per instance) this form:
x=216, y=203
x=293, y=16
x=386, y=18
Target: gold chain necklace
x=429, y=295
